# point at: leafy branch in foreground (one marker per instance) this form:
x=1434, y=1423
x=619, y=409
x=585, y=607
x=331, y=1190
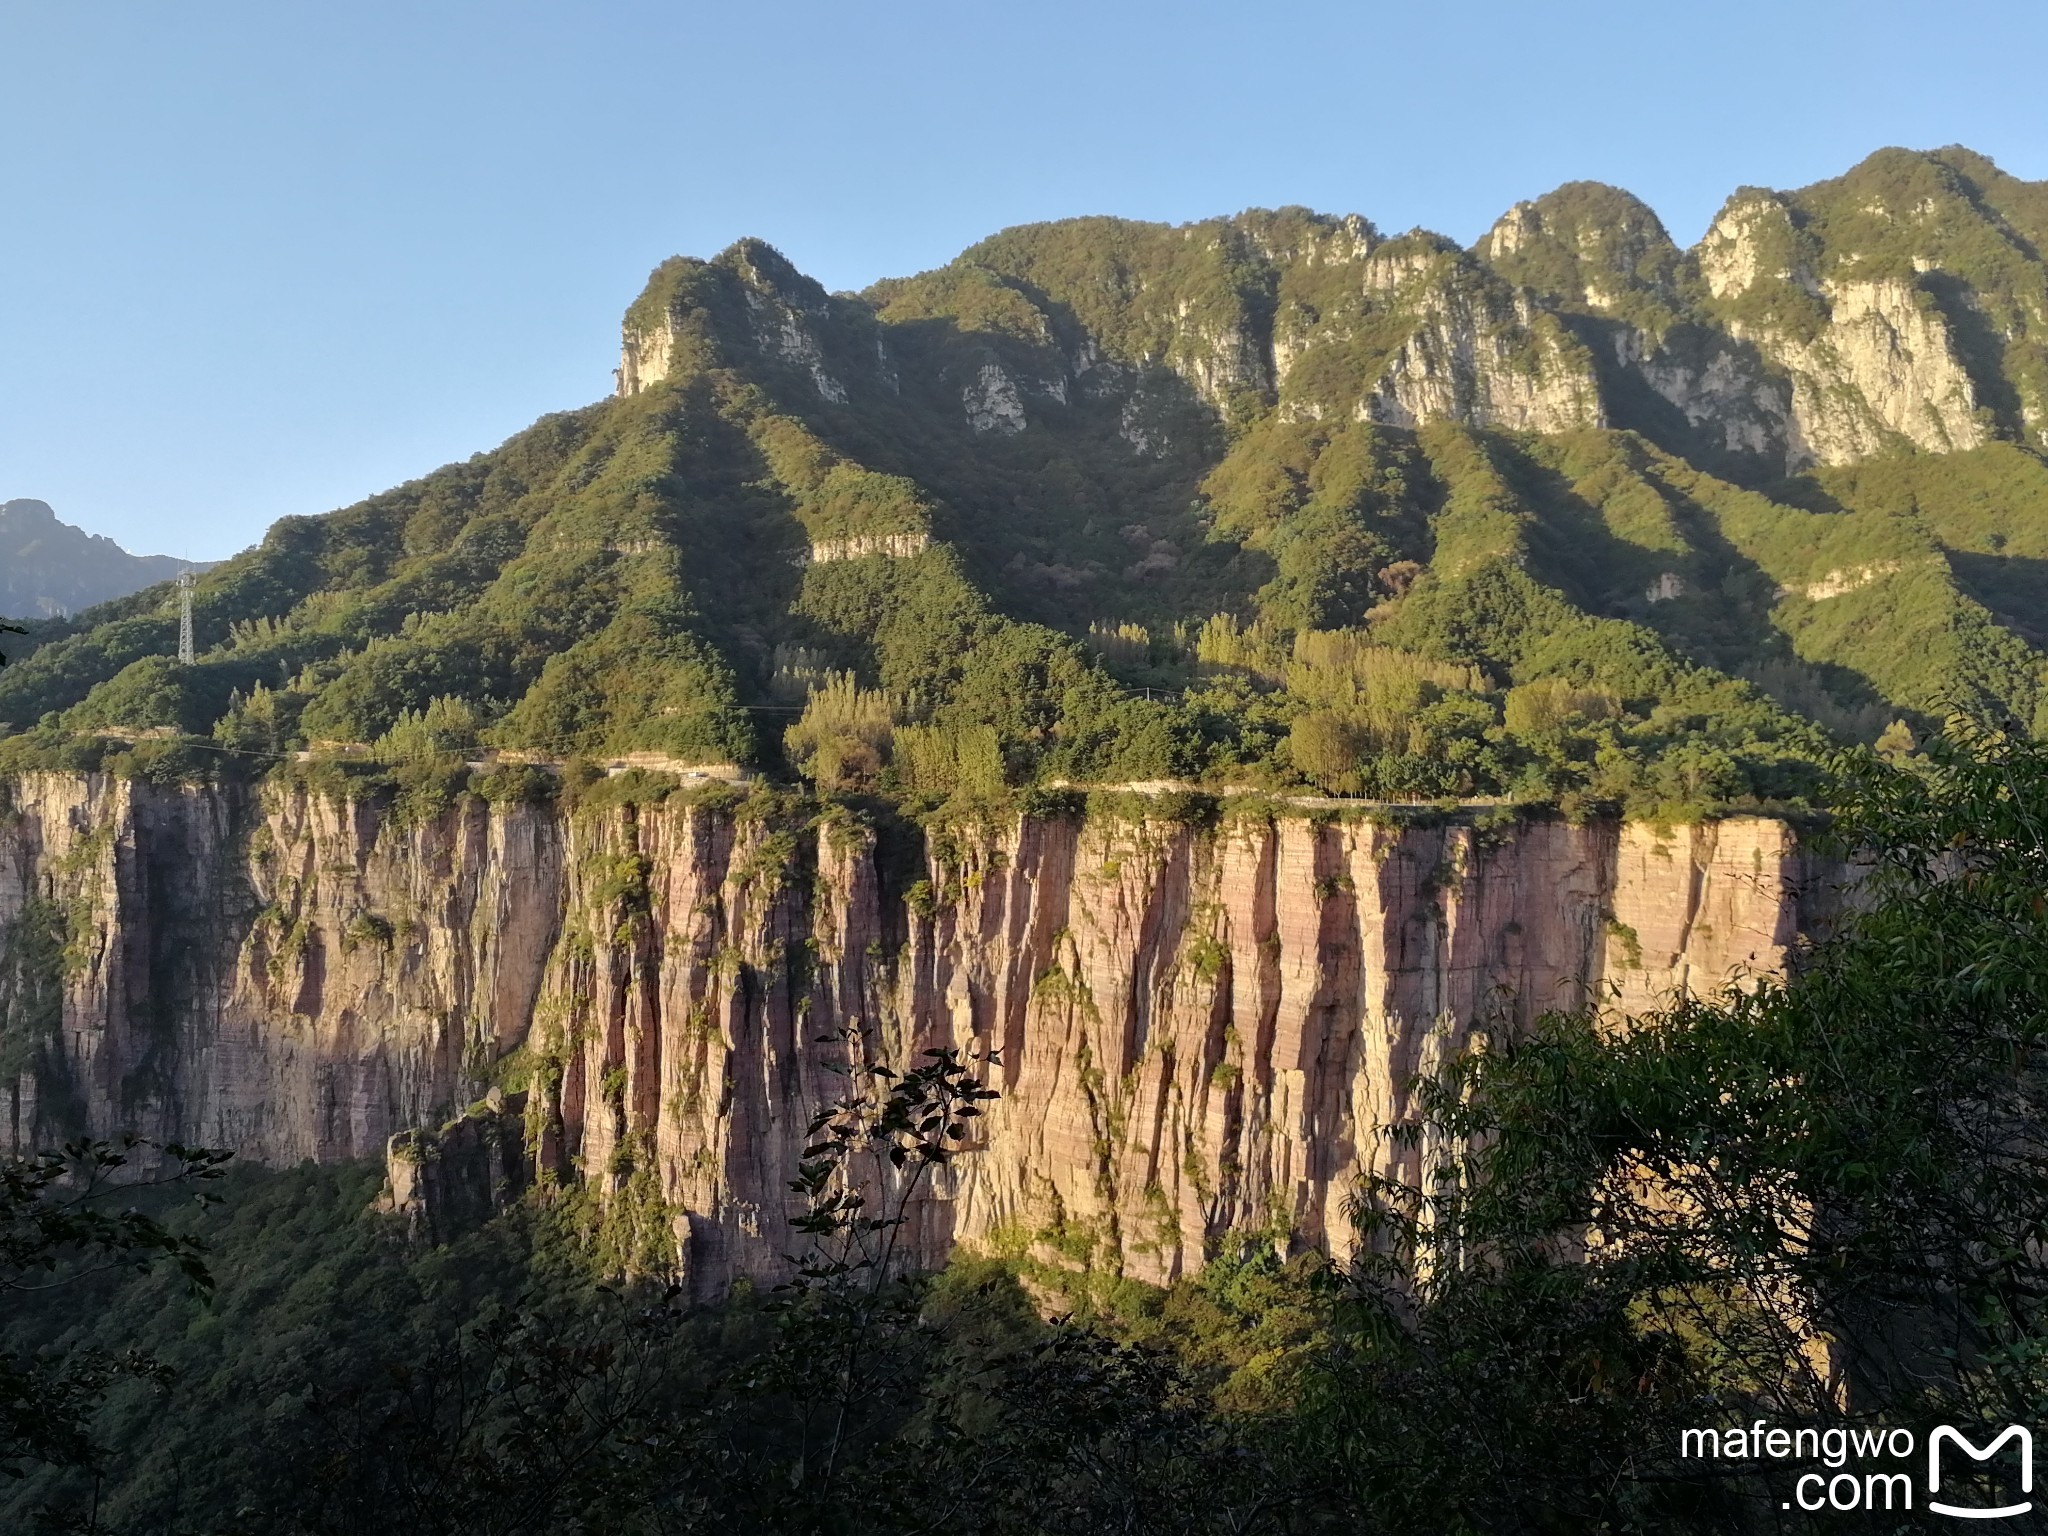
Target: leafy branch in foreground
x=55, y=1228
x=1820, y=1199
x=848, y=1304
x=884, y=1135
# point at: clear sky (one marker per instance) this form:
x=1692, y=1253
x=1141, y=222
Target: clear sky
x=260, y=257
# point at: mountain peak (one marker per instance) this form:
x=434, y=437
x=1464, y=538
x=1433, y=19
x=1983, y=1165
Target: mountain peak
x=48, y=567
x=26, y=512
x=1590, y=244
x=767, y=271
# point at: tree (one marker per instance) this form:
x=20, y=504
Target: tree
x=869, y=1154
x=1820, y=1198
x=55, y=1226
x=1325, y=748
x=844, y=734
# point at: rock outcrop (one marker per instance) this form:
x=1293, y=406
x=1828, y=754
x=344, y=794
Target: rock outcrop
x=1486, y=358
x=449, y=1181
x=1884, y=369
x=1872, y=362
x=1200, y=1028
x=1892, y=309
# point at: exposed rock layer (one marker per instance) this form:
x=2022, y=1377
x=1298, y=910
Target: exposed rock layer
x=1199, y=1028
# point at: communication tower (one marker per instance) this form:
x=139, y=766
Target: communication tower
x=185, y=617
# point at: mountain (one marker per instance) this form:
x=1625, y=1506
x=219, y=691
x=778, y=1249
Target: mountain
x=48, y=568
x=1276, y=500
x=1488, y=616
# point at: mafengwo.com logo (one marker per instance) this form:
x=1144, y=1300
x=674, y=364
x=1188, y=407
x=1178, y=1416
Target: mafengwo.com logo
x=1988, y=1477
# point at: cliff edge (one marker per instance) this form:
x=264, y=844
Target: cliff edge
x=1202, y=1027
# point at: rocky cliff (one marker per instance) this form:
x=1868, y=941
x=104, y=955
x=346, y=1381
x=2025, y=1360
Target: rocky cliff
x=1201, y=1026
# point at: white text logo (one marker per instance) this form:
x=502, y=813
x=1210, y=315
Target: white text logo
x=1947, y=1432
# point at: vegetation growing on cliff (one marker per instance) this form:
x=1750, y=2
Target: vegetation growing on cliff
x=1526, y=1331
x=1098, y=505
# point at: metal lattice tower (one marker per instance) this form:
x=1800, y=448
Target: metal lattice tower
x=185, y=651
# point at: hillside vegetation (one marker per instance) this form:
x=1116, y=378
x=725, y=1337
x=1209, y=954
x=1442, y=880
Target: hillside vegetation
x=1272, y=500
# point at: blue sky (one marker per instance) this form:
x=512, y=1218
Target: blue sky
x=261, y=257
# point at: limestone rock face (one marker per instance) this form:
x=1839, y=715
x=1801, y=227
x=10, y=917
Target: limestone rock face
x=992, y=403
x=1413, y=331
x=1886, y=365
x=1820, y=326
x=1871, y=362
x=1217, y=364
x=781, y=331
x=451, y=1181
x=290, y=978
x=1198, y=1029
x=1724, y=391
x=898, y=546
x=1486, y=360
x=1752, y=238
x=645, y=356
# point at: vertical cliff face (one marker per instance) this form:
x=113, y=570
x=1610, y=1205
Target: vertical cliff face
x=1486, y=358
x=1199, y=1028
x=1873, y=362
x=289, y=977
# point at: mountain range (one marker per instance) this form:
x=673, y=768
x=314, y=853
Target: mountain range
x=50, y=569
x=1275, y=499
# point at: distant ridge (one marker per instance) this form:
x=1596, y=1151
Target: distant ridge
x=49, y=568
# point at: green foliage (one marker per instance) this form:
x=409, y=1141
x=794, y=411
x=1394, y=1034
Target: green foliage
x=1803, y=1199
x=1199, y=560
x=966, y=762
x=845, y=734
x=446, y=727
x=515, y=784
x=56, y=1227
x=313, y=1297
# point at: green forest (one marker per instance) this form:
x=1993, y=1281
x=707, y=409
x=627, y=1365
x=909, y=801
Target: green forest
x=794, y=552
